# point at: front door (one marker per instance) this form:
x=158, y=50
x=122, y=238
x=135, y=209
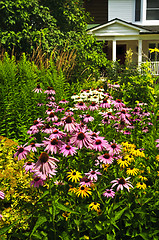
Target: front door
x=120, y=53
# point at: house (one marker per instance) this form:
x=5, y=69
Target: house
x=124, y=25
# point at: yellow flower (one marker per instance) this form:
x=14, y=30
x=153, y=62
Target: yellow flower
x=157, y=173
x=94, y=206
x=105, y=167
x=74, y=176
x=66, y=215
x=141, y=185
x=86, y=237
x=74, y=190
x=123, y=162
x=157, y=158
x=132, y=171
x=143, y=178
x=83, y=191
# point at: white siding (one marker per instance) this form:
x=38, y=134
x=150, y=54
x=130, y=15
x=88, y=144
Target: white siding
x=122, y=9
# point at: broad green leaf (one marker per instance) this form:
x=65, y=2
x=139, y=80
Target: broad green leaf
x=119, y=214
x=64, y=208
x=39, y=222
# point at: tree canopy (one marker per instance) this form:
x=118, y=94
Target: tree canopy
x=24, y=25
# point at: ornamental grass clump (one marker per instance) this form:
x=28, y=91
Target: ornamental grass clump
x=88, y=178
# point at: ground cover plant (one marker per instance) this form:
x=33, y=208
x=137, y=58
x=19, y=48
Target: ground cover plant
x=89, y=170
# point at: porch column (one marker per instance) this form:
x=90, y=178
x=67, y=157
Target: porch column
x=139, y=52
x=114, y=50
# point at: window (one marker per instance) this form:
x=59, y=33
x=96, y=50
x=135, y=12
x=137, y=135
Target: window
x=152, y=10
x=154, y=55
x=137, y=10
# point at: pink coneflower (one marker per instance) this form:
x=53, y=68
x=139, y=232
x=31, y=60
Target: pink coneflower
x=50, y=97
x=50, y=90
x=114, y=148
x=108, y=115
x=106, y=158
x=94, y=106
x=47, y=128
x=51, y=104
x=49, y=110
x=22, y=152
x=32, y=147
x=122, y=182
x=59, y=109
x=68, y=150
x=69, y=124
x=69, y=113
x=99, y=144
x=81, y=106
x=109, y=193
x=105, y=103
x=38, y=89
x=87, y=118
x=1, y=216
x=40, y=104
x=124, y=115
x=52, y=117
x=63, y=101
x=145, y=129
x=94, y=135
x=118, y=104
x=46, y=165
x=29, y=166
x=2, y=195
x=127, y=132
x=37, y=181
x=93, y=175
x=86, y=181
x=59, y=183
x=52, y=145
x=81, y=139
x=37, y=124
x=56, y=133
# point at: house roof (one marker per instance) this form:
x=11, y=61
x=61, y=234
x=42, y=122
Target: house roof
x=94, y=27
x=142, y=29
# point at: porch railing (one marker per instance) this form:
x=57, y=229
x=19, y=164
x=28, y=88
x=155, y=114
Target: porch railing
x=154, y=67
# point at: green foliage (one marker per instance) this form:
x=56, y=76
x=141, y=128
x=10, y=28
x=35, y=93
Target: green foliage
x=135, y=84
x=17, y=100
x=26, y=24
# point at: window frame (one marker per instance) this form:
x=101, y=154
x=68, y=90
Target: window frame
x=143, y=12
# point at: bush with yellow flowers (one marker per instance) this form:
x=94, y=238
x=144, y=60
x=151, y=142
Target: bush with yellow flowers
x=15, y=184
